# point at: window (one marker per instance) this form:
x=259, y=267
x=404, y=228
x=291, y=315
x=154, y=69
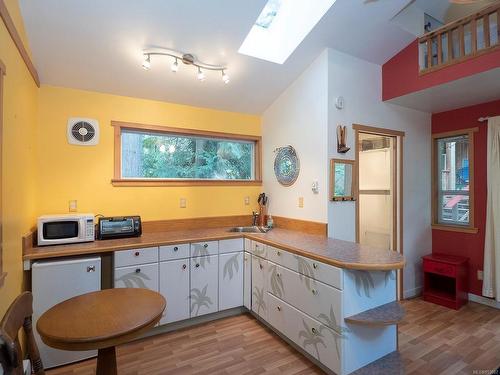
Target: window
x=453, y=181
x=154, y=155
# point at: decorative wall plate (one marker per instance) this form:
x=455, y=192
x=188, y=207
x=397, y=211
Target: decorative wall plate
x=286, y=165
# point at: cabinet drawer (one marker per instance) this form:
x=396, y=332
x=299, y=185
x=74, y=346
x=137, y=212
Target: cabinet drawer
x=312, y=297
x=283, y=258
x=259, y=249
x=134, y=257
x=204, y=248
x=230, y=246
x=312, y=335
x=171, y=252
x=323, y=272
x=141, y=276
x=439, y=268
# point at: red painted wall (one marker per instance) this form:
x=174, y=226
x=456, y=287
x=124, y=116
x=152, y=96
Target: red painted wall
x=465, y=244
x=400, y=74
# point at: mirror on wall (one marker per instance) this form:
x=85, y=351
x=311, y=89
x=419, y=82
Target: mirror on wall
x=342, y=180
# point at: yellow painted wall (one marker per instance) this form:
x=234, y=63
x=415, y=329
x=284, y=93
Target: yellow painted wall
x=84, y=173
x=20, y=119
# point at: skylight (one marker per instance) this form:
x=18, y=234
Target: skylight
x=281, y=27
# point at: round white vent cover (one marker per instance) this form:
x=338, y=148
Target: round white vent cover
x=83, y=131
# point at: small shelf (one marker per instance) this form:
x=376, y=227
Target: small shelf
x=391, y=364
x=388, y=314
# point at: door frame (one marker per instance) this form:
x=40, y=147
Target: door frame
x=398, y=187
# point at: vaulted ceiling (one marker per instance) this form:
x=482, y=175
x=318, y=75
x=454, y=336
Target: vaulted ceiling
x=96, y=45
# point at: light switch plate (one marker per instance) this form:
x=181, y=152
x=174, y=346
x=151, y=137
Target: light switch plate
x=247, y=201
x=182, y=203
x=479, y=275
x=73, y=206
x=301, y=202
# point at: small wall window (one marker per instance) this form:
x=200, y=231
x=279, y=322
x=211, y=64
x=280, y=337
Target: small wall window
x=152, y=155
x=453, y=181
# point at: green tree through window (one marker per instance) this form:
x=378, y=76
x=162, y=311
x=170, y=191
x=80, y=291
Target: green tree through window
x=165, y=156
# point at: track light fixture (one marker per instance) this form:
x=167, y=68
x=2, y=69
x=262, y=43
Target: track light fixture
x=186, y=59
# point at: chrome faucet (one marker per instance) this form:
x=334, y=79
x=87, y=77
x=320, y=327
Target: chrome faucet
x=255, y=216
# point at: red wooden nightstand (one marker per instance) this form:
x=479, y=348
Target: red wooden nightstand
x=445, y=280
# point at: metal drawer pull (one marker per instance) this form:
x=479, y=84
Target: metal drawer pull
x=91, y=269
x=279, y=308
x=314, y=291
x=197, y=265
x=261, y=266
x=184, y=266
x=176, y=248
x=138, y=270
x=315, y=266
x=314, y=331
x=137, y=253
x=278, y=274
x=278, y=253
x=205, y=246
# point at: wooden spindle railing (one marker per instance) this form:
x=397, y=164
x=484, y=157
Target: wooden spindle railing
x=460, y=40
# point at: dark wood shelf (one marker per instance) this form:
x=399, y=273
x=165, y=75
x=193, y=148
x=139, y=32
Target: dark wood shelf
x=388, y=314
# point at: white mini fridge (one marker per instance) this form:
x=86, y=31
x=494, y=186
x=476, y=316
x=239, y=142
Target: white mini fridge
x=53, y=282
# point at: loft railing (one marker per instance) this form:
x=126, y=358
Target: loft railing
x=460, y=40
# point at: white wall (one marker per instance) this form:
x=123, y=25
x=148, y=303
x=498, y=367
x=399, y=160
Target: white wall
x=360, y=83
x=299, y=117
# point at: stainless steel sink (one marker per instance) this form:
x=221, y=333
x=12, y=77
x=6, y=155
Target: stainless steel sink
x=251, y=229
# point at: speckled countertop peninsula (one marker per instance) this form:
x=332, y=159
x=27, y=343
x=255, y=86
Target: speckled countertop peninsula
x=339, y=253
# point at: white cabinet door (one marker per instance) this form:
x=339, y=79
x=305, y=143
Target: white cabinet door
x=141, y=276
x=247, y=280
x=174, y=286
x=204, y=285
x=230, y=280
x=259, y=286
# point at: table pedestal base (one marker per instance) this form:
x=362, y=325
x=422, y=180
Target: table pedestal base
x=106, y=361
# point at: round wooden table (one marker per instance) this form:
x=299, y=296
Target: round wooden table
x=101, y=320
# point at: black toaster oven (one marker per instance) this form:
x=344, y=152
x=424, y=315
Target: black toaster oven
x=118, y=227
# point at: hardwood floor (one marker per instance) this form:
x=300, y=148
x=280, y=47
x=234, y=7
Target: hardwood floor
x=432, y=340
x=437, y=340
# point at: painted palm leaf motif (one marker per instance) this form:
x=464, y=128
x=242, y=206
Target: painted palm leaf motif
x=258, y=300
x=311, y=338
x=363, y=279
x=200, y=253
x=133, y=280
x=259, y=251
x=305, y=269
x=331, y=326
x=276, y=283
x=232, y=263
x=200, y=299
x=389, y=275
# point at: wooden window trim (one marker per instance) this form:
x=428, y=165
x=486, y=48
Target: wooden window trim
x=2, y=73
x=130, y=182
x=445, y=227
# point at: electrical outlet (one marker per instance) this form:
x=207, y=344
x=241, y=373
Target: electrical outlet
x=479, y=274
x=301, y=202
x=247, y=201
x=182, y=203
x=72, y=206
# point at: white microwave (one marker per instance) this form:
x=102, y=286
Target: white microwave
x=65, y=229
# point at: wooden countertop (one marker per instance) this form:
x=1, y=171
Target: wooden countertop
x=338, y=253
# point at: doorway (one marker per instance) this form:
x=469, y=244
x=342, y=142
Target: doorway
x=379, y=206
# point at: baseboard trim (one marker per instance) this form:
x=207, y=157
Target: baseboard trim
x=412, y=293
x=484, y=301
